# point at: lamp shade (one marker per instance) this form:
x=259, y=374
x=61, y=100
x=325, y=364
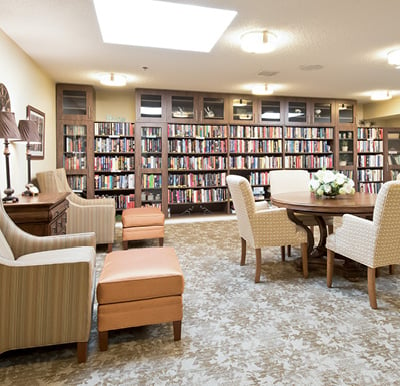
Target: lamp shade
x=8, y=126
x=29, y=131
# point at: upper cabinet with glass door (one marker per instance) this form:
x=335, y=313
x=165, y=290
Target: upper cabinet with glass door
x=345, y=113
x=150, y=106
x=182, y=108
x=306, y=112
x=321, y=113
x=75, y=102
x=213, y=108
x=242, y=109
x=270, y=112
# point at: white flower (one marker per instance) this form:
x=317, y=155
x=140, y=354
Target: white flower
x=328, y=177
x=331, y=182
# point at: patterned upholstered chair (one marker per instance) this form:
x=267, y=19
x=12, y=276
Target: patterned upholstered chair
x=295, y=180
x=263, y=227
x=46, y=288
x=83, y=215
x=373, y=243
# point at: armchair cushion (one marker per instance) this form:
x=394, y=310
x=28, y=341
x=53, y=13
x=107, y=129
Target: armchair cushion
x=5, y=250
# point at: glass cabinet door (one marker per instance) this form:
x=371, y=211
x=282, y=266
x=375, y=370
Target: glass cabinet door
x=271, y=111
x=182, y=108
x=242, y=109
x=213, y=108
x=346, y=149
x=346, y=113
x=150, y=106
x=297, y=112
x=322, y=112
x=393, y=154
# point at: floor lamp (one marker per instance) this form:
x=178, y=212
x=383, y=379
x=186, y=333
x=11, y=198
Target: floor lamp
x=29, y=133
x=8, y=131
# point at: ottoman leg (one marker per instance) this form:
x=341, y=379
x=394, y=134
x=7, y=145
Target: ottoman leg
x=177, y=329
x=161, y=241
x=103, y=340
x=125, y=244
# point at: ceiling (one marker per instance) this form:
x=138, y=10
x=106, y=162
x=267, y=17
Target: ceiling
x=348, y=38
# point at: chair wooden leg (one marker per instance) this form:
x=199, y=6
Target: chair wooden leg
x=109, y=247
x=289, y=250
x=258, y=265
x=82, y=351
x=243, y=258
x=103, y=340
x=283, y=257
x=177, y=329
x=161, y=241
x=304, y=259
x=330, y=229
x=391, y=269
x=329, y=267
x=125, y=244
x=372, y=288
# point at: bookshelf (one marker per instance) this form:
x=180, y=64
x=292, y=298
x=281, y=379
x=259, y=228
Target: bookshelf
x=370, y=175
x=392, y=152
x=197, y=167
x=114, y=162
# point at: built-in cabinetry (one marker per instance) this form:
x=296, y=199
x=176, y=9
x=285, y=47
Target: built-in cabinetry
x=392, y=152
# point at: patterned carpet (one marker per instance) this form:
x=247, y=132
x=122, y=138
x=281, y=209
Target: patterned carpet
x=282, y=331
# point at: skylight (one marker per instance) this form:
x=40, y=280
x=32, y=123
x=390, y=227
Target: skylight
x=161, y=24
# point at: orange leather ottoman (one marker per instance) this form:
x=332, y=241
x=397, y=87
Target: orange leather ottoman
x=142, y=223
x=139, y=287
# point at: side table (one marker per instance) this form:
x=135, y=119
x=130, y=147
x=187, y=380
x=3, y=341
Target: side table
x=41, y=215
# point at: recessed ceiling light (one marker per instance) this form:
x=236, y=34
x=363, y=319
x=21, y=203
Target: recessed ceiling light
x=111, y=79
x=258, y=42
x=311, y=67
x=393, y=58
x=381, y=95
x=262, y=89
x=161, y=24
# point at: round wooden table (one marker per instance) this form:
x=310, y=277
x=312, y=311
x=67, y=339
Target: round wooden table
x=358, y=204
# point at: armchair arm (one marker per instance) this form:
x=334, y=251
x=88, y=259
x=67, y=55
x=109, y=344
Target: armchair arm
x=45, y=304
x=354, y=238
x=74, y=198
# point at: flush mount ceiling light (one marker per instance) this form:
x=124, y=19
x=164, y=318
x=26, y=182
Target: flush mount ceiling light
x=262, y=89
x=381, y=95
x=393, y=58
x=111, y=79
x=258, y=42
x=161, y=24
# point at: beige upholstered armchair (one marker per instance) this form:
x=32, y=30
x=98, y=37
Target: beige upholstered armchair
x=373, y=243
x=83, y=215
x=46, y=288
x=263, y=227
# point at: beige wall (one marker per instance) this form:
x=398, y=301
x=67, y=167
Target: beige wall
x=115, y=105
x=385, y=113
x=27, y=84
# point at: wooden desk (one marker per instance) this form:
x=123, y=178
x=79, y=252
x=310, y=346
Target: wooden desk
x=42, y=215
x=359, y=204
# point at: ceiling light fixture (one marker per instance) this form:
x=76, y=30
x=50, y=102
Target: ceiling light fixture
x=258, y=42
x=381, y=95
x=262, y=89
x=393, y=58
x=113, y=80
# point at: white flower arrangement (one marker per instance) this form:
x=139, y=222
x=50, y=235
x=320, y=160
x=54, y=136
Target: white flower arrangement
x=331, y=183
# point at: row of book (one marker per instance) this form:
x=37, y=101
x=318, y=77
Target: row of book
x=151, y=132
x=121, y=201
x=151, y=145
x=151, y=162
x=197, y=196
x=309, y=132
x=369, y=146
x=370, y=175
x=114, y=128
x=188, y=145
x=75, y=145
x=197, y=163
x=116, y=145
x=197, y=131
x=75, y=130
x=200, y=180
x=114, y=181
x=254, y=162
x=308, y=162
x=370, y=133
x=295, y=146
x=255, y=146
x=114, y=164
x=240, y=131
x=151, y=181
x=74, y=162
x=151, y=196
x=370, y=187
x=373, y=160
x=77, y=182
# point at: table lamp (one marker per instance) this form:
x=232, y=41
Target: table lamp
x=8, y=131
x=29, y=133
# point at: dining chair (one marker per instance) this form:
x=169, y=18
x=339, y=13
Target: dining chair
x=373, y=243
x=263, y=227
x=295, y=180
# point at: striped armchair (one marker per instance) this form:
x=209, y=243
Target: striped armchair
x=83, y=215
x=373, y=243
x=263, y=227
x=46, y=288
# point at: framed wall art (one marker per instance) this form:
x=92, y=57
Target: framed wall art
x=37, y=149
